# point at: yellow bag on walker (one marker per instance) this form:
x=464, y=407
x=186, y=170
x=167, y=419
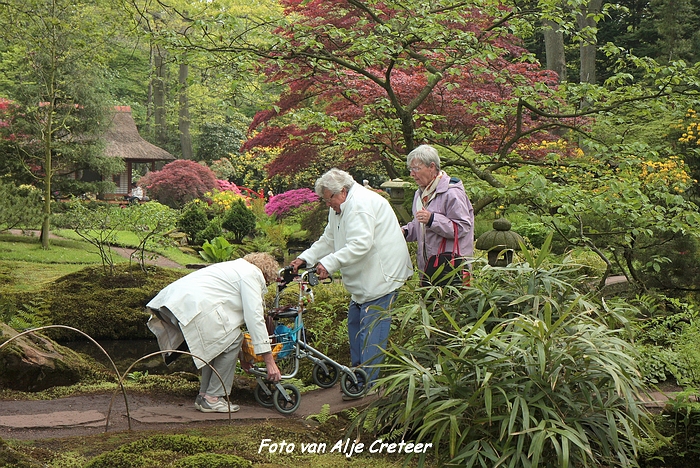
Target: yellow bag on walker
x=248, y=351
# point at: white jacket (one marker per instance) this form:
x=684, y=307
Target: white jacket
x=211, y=305
x=366, y=244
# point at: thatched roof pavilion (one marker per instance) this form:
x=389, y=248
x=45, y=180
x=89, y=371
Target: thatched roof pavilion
x=123, y=141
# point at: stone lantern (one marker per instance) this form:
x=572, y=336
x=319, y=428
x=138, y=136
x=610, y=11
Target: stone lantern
x=500, y=243
x=397, y=189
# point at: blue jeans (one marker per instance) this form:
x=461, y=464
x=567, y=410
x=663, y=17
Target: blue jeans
x=368, y=330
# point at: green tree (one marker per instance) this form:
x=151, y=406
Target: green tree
x=191, y=88
x=150, y=222
x=219, y=141
x=629, y=212
x=50, y=68
x=97, y=226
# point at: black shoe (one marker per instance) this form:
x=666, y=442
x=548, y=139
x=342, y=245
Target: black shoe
x=347, y=397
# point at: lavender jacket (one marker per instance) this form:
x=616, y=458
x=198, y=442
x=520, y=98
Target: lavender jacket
x=450, y=204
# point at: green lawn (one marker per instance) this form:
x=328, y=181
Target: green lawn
x=129, y=239
x=25, y=266
x=28, y=249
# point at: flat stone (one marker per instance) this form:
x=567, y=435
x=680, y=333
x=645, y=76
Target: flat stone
x=181, y=414
x=54, y=419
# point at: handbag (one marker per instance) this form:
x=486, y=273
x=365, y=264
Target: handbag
x=440, y=268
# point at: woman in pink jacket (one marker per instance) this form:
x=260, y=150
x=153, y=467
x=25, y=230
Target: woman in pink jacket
x=440, y=207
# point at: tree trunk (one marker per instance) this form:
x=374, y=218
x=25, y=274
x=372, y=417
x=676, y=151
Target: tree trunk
x=554, y=49
x=149, y=103
x=48, y=173
x=184, y=114
x=587, y=25
x=46, y=216
x=159, y=99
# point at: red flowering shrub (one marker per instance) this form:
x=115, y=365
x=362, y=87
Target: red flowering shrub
x=225, y=185
x=7, y=114
x=179, y=182
x=280, y=205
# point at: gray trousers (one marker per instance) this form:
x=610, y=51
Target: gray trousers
x=225, y=365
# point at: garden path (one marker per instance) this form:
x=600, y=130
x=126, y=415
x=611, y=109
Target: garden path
x=87, y=414
x=84, y=415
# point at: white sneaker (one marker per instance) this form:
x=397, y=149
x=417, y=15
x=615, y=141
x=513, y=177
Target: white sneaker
x=219, y=406
x=198, y=402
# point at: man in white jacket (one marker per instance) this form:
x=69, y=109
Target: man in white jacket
x=363, y=240
x=205, y=311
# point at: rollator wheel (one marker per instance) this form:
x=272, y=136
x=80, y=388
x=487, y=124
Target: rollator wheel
x=263, y=398
x=325, y=379
x=281, y=403
x=351, y=388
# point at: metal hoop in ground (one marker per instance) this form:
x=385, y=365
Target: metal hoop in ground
x=167, y=351
x=114, y=366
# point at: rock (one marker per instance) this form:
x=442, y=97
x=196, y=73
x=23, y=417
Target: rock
x=32, y=362
x=180, y=238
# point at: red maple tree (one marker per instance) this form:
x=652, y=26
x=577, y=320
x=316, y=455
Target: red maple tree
x=377, y=80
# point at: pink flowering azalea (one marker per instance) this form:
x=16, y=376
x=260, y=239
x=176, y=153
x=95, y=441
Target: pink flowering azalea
x=282, y=204
x=225, y=185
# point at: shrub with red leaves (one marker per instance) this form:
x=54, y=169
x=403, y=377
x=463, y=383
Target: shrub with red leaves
x=179, y=182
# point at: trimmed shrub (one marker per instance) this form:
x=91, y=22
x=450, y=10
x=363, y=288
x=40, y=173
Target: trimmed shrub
x=180, y=443
x=193, y=220
x=117, y=460
x=104, y=307
x=239, y=220
x=212, y=230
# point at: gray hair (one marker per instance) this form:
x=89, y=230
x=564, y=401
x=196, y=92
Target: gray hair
x=267, y=264
x=425, y=154
x=334, y=181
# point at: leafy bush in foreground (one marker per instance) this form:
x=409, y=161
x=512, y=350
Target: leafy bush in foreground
x=519, y=370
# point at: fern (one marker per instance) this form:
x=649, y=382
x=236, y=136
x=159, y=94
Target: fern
x=324, y=416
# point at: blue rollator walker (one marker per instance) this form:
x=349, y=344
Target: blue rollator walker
x=290, y=333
